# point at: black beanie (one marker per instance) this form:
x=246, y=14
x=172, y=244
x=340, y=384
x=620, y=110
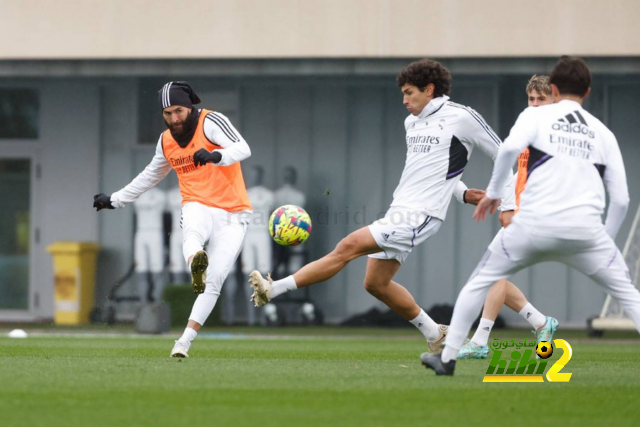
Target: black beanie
x=177, y=93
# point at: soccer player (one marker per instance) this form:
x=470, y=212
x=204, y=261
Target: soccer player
x=205, y=150
x=573, y=158
x=504, y=292
x=440, y=138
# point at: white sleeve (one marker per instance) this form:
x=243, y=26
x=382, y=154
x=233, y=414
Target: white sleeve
x=479, y=133
x=461, y=187
x=149, y=177
x=615, y=181
x=219, y=130
x=522, y=134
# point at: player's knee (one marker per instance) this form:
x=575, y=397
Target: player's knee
x=374, y=287
x=347, y=249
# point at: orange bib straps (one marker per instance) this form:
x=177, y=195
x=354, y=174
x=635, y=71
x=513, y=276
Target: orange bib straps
x=523, y=161
x=216, y=186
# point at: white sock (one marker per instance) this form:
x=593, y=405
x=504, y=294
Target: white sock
x=282, y=286
x=533, y=316
x=188, y=336
x=482, y=333
x=427, y=326
x=449, y=353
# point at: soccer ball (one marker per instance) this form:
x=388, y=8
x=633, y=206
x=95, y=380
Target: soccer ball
x=544, y=349
x=289, y=225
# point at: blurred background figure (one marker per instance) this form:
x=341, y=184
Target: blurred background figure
x=148, y=245
x=177, y=265
x=289, y=258
x=256, y=253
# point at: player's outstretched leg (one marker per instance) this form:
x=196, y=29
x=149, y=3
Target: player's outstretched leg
x=355, y=245
x=261, y=288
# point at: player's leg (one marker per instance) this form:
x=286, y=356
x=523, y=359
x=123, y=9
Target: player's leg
x=197, y=226
x=543, y=326
x=507, y=254
x=355, y=245
x=506, y=293
x=604, y=263
x=224, y=247
x=476, y=347
x=378, y=282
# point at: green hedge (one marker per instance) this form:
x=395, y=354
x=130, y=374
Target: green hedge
x=181, y=298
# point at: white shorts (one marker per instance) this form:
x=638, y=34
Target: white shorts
x=399, y=232
x=148, y=251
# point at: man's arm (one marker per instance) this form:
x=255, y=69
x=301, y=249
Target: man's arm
x=478, y=132
x=615, y=181
x=149, y=177
x=522, y=134
x=219, y=130
x=467, y=195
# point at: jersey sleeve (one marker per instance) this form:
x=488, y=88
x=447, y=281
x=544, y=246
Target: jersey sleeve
x=615, y=181
x=149, y=177
x=522, y=134
x=458, y=192
x=219, y=130
x=479, y=133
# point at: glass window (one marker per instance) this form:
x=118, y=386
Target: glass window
x=19, y=110
x=15, y=233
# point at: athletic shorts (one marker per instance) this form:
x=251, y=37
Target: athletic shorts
x=399, y=232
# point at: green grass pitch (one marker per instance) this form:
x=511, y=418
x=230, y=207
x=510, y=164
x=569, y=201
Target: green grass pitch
x=300, y=377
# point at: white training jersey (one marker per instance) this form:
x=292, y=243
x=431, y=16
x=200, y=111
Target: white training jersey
x=263, y=202
x=439, y=143
x=149, y=208
x=572, y=158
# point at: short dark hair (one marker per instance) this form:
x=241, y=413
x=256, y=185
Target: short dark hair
x=571, y=75
x=421, y=73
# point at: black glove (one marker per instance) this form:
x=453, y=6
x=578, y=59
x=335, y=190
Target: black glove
x=102, y=201
x=202, y=157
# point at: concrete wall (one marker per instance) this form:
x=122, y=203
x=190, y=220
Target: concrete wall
x=147, y=29
x=344, y=134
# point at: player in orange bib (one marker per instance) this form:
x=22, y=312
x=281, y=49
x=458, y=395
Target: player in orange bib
x=205, y=150
x=504, y=292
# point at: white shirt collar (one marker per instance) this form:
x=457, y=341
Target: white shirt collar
x=432, y=106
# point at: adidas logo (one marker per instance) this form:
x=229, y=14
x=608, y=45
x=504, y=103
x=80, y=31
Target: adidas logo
x=528, y=315
x=385, y=236
x=573, y=123
x=486, y=328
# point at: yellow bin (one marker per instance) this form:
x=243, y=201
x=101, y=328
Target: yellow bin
x=74, y=267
